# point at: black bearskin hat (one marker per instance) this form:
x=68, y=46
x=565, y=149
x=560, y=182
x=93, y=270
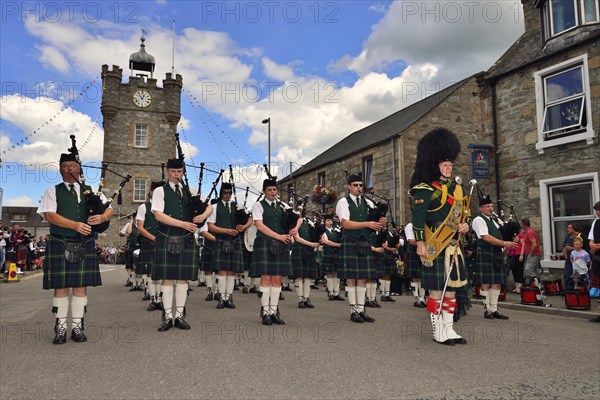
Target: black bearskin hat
x=436, y=146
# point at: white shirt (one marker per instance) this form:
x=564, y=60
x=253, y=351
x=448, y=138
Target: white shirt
x=141, y=213
x=124, y=229
x=48, y=202
x=213, y=216
x=342, y=210
x=591, y=234
x=408, y=231
x=480, y=227
x=257, y=210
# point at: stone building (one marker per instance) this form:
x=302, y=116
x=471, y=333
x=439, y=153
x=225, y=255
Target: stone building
x=540, y=105
x=140, y=121
x=385, y=152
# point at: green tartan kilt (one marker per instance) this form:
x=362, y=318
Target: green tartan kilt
x=331, y=262
x=304, y=263
x=266, y=263
x=231, y=262
x=207, y=263
x=434, y=277
x=354, y=266
x=60, y=274
x=144, y=261
x=129, y=258
x=413, y=263
x=180, y=266
x=490, y=268
x=388, y=265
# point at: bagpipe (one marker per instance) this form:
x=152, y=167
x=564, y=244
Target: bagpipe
x=290, y=218
x=197, y=205
x=379, y=209
x=508, y=228
x=93, y=200
x=241, y=216
x=316, y=227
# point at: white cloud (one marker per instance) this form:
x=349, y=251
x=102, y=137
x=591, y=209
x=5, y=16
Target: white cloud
x=272, y=70
x=52, y=130
x=378, y=8
x=23, y=201
x=53, y=57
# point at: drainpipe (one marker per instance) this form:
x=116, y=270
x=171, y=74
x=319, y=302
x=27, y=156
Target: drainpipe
x=496, y=150
x=394, y=180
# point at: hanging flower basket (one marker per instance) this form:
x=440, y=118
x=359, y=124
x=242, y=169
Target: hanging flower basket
x=323, y=195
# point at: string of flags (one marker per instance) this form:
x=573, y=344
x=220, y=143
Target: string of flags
x=48, y=121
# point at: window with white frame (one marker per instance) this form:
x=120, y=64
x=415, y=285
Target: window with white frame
x=368, y=173
x=563, y=15
x=563, y=103
x=141, y=135
x=566, y=200
x=140, y=189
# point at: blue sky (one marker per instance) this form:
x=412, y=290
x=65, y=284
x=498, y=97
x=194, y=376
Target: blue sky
x=320, y=69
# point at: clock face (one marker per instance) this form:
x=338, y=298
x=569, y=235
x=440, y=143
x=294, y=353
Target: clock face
x=141, y=98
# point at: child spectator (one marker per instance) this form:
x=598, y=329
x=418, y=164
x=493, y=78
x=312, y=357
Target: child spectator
x=580, y=259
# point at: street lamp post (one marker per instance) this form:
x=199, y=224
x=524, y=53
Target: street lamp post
x=268, y=122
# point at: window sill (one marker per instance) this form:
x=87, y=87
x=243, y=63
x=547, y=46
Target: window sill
x=588, y=136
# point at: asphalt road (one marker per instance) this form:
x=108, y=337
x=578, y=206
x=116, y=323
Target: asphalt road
x=318, y=354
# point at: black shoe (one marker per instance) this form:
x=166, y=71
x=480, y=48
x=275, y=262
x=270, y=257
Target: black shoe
x=200, y=284
x=597, y=319
x=276, y=320
x=459, y=341
x=266, y=320
x=364, y=316
x=133, y=288
x=488, y=315
x=331, y=297
x=61, y=333
x=497, y=315
x=245, y=290
x=209, y=296
x=370, y=304
x=221, y=304
x=449, y=342
x=190, y=289
x=151, y=306
x=181, y=324
x=315, y=287
x=339, y=298
x=128, y=283
x=287, y=289
x=281, y=296
x=253, y=290
x=229, y=303
x=384, y=298
x=377, y=305
x=160, y=306
x=77, y=334
x=217, y=297
x=146, y=297
x=301, y=304
x=355, y=317
x=308, y=304
x=235, y=287
x=165, y=325
x=390, y=299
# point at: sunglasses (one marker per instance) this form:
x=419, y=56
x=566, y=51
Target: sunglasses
x=357, y=184
x=227, y=192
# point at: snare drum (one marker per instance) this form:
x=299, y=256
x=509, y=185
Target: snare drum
x=249, y=237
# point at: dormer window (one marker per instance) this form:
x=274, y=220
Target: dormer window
x=563, y=15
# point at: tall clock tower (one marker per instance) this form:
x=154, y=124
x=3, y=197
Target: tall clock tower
x=140, y=120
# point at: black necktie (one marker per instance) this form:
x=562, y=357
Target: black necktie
x=273, y=205
x=72, y=191
x=227, y=206
x=358, y=202
x=177, y=190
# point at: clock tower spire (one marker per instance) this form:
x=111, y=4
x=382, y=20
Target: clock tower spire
x=140, y=120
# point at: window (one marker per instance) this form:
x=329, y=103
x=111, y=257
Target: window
x=321, y=179
x=563, y=98
x=566, y=200
x=563, y=15
x=140, y=190
x=18, y=217
x=367, y=169
x=141, y=135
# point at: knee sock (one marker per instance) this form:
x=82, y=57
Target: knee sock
x=209, y=282
x=274, y=299
x=336, y=286
x=493, y=303
x=230, y=281
x=167, y=299
x=60, y=307
x=180, y=298
x=307, y=283
x=360, y=298
x=415, y=290
x=352, y=297
x=329, y=284
x=222, y=286
x=299, y=284
x=78, y=309
x=368, y=290
x=264, y=299
x=486, y=299
x=385, y=288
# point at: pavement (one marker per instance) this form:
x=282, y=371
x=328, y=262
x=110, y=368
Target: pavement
x=318, y=354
